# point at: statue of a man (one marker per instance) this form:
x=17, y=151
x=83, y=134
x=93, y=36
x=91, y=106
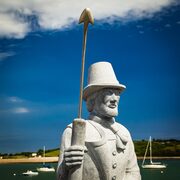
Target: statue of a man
x=109, y=151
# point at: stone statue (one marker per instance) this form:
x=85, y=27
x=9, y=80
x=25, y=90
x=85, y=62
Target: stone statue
x=108, y=153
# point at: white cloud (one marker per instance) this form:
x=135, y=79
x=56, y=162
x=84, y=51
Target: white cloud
x=59, y=14
x=167, y=25
x=4, y=55
x=10, y=100
x=12, y=26
x=141, y=32
x=139, y=26
x=20, y=110
x=14, y=99
x=13, y=104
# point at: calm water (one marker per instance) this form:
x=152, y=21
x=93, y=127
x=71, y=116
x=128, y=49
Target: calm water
x=172, y=172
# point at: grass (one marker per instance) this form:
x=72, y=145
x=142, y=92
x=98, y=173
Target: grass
x=52, y=153
x=160, y=148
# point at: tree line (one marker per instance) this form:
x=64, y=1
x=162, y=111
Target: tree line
x=160, y=148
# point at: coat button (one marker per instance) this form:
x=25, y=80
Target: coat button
x=114, y=153
x=114, y=165
x=114, y=178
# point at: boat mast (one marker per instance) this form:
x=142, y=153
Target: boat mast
x=43, y=155
x=145, y=153
x=150, y=140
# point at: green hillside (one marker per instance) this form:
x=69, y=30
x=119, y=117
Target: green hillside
x=52, y=153
x=159, y=147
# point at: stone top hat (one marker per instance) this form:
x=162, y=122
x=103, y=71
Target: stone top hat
x=100, y=76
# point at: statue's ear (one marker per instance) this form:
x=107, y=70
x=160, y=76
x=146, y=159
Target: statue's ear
x=90, y=104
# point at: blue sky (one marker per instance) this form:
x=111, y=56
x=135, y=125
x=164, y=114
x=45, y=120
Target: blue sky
x=40, y=69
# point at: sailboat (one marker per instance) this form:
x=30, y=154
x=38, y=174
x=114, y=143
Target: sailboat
x=30, y=173
x=45, y=168
x=151, y=165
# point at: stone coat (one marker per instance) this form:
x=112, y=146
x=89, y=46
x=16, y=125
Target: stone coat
x=104, y=160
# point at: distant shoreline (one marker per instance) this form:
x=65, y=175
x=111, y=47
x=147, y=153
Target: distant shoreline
x=55, y=159
x=165, y=157
x=29, y=160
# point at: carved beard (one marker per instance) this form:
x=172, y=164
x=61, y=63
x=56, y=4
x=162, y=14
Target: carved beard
x=106, y=111
x=103, y=108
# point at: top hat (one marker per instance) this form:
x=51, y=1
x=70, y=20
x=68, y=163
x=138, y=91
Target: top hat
x=100, y=76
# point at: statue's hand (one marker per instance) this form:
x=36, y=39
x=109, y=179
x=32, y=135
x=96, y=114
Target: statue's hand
x=74, y=155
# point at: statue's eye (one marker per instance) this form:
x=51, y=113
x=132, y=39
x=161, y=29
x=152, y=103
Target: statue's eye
x=116, y=92
x=109, y=92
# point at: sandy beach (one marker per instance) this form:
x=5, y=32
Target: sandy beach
x=29, y=160
x=55, y=159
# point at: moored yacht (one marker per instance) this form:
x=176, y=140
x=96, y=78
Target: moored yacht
x=151, y=165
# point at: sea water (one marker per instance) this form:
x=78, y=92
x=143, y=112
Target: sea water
x=14, y=172
x=172, y=172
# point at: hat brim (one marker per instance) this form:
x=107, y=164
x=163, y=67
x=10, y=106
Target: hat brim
x=92, y=88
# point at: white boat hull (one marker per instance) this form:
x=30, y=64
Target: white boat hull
x=154, y=166
x=46, y=169
x=30, y=173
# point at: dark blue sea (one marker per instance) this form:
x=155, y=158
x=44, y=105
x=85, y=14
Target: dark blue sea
x=14, y=172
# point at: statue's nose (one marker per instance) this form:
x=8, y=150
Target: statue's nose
x=114, y=97
x=113, y=101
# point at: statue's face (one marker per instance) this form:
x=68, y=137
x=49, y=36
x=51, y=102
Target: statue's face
x=106, y=103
